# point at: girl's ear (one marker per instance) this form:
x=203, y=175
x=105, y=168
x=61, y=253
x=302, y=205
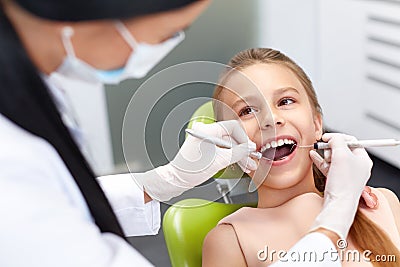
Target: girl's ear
x=318, y=126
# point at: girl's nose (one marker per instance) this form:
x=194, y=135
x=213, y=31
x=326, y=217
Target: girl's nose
x=273, y=119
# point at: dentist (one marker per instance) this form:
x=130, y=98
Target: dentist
x=54, y=211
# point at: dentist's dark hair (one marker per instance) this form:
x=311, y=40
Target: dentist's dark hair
x=366, y=234
x=25, y=100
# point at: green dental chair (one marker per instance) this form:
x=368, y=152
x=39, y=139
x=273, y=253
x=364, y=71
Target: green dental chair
x=187, y=222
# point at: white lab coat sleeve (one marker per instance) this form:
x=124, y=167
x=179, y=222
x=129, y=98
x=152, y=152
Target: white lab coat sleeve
x=127, y=200
x=43, y=222
x=315, y=246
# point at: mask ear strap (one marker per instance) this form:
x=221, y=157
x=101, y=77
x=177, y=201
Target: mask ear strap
x=66, y=34
x=126, y=34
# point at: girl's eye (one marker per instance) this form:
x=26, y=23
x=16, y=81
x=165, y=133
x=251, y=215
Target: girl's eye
x=246, y=111
x=286, y=101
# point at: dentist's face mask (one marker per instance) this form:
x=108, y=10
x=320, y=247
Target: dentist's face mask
x=143, y=58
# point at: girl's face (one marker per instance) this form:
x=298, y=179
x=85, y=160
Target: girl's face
x=278, y=113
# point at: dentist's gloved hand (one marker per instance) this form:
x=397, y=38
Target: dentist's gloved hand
x=197, y=161
x=368, y=198
x=348, y=173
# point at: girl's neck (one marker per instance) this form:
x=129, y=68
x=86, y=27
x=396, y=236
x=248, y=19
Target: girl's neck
x=271, y=197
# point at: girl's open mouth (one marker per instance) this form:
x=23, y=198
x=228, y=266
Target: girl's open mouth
x=279, y=149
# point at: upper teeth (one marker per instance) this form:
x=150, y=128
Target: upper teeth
x=274, y=144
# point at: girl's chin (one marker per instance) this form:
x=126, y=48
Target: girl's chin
x=276, y=179
x=283, y=176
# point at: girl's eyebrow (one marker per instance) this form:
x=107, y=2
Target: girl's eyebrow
x=244, y=99
x=283, y=90
x=252, y=98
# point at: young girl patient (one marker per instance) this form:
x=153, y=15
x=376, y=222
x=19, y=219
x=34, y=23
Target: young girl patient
x=289, y=189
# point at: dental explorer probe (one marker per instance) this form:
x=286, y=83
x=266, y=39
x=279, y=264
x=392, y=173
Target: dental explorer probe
x=357, y=144
x=218, y=142
x=318, y=145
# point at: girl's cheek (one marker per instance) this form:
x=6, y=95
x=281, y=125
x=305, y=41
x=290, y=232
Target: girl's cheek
x=251, y=128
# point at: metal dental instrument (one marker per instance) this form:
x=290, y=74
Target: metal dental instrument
x=218, y=142
x=360, y=143
x=318, y=145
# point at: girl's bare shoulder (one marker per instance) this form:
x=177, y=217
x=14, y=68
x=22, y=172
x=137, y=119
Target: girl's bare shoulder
x=221, y=248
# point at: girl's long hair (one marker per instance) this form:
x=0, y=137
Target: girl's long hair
x=25, y=100
x=365, y=233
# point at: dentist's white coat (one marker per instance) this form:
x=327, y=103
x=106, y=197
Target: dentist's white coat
x=44, y=218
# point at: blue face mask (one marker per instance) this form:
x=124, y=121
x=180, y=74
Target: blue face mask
x=143, y=58
x=108, y=75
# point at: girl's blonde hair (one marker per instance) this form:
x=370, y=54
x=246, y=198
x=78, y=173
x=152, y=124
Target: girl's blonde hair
x=365, y=233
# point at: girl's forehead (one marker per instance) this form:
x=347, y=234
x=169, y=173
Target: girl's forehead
x=259, y=81
x=272, y=76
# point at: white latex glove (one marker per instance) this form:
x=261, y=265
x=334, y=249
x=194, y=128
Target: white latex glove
x=370, y=200
x=347, y=174
x=197, y=161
